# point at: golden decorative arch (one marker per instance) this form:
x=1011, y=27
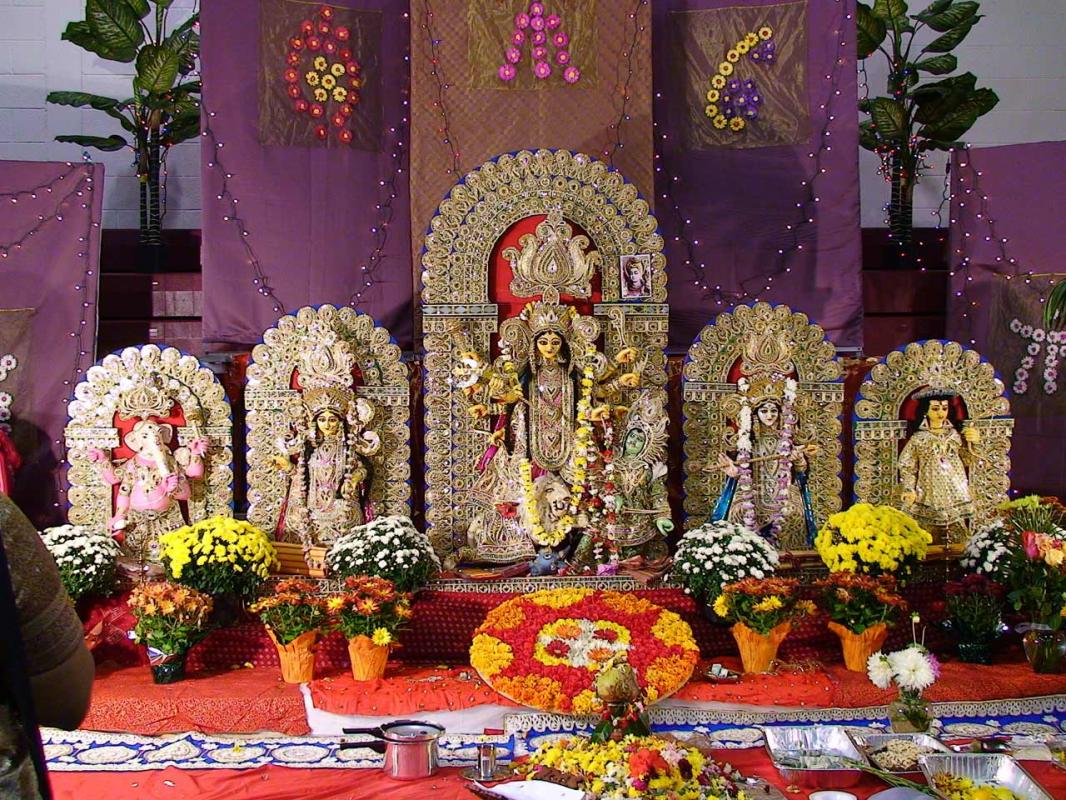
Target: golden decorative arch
x=270, y=390
x=750, y=334
x=107, y=389
x=880, y=427
x=568, y=188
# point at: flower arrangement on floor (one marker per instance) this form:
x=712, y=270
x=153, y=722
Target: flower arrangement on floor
x=85, y=558
x=218, y=555
x=294, y=616
x=545, y=649
x=975, y=615
x=876, y=540
x=761, y=611
x=717, y=553
x=369, y=612
x=860, y=609
x=170, y=619
x=913, y=670
x=389, y=547
x=634, y=767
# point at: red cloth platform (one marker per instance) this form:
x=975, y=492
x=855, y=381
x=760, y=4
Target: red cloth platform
x=238, y=701
x=283, y=783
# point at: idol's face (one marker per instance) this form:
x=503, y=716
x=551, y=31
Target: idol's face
x=549, y=345
x=769, y=414
x=635, y=442
x=558, y=499
x=937, y=413
x=636, y=272
x=329, y=424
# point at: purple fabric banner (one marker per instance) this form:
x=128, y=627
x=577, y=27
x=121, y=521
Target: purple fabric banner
x=49, y=274
x=727, y=211
x=315, y=215
x=996, y=282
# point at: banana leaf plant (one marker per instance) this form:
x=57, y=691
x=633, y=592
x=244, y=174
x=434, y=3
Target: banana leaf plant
x=164, y=107
x=917, y=115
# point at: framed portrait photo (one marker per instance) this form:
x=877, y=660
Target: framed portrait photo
x=634, y=276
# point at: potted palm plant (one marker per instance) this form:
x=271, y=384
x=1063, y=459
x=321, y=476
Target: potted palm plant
x=163, y=108
x=916, y=115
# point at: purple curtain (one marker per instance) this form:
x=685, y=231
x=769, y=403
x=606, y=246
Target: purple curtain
x=995, y=198
x=49, y=263
x=309, y=211
x=738, y=207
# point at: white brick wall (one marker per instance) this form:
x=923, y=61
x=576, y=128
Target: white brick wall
x=1016, y=49
x=33, y=62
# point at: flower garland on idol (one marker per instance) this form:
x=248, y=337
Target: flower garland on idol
x=776, y=506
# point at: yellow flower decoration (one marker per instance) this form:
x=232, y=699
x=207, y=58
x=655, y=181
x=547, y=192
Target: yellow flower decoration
x=751, y=39
x=713, y=95
x=743, y=47
x=321, y=95
x=340, y=94
x=721, y=605
x=737, y=124
x=337, y=70
x=488, y=655
x=719, y=122
x=732, y=57
x=558, y=598
x=320, y=63
x=311, y=78
x=381, y=637
x=328, y=81
x=718, y=82
x=726, y=69
x=671, y=629
x=711, y=111
x=765, y=32
x=771, y=603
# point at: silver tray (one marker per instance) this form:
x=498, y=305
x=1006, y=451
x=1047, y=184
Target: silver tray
x=988, y=769
x=786, y=744
x=869, y=742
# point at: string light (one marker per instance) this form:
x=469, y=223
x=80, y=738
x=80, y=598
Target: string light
x=436, y=69
x=805, y=208
x=614, y=131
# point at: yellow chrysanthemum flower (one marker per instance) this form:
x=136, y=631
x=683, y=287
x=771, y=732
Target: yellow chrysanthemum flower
x=765, y=32
x=732, y=56
x=321, y=95
x=320, y=63
x=721, y=605
x=711, y=111
x=737, y=124
x=726, y=69
x=381, y=637
x=751, y=39
x=720, y=122
x=340, y=94
x=311, y=78
x=328, y=81
x=771, y=603
x=713, y=95
x=718, y=82
x=337, y=70
x=743, y=47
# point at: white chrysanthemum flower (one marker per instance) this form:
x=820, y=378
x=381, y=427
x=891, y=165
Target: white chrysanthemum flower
x=912, y=669
x=879, y=670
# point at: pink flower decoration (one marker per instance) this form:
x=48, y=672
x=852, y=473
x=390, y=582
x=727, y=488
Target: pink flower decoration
x=539, y=37
x=507, y=72
x=571, y=74
x=513, y=55
x=517, y=38
x=539, y=53
x=542, y=69
x=521, y=20
x=1029, y=543
x=536, y=9
x=560, y=39
x=562, y=57
x=537, y=23
x=554, y=21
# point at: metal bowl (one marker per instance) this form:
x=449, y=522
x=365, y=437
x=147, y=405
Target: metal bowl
x=814, y=756
x=988, y=769
x=869, y=743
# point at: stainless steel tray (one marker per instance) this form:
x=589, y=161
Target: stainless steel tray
x=791, y=746
x=984, y=769
x=868, y=743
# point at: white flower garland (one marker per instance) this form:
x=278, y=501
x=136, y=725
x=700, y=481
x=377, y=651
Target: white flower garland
x=1036, y=339
x=8, y=363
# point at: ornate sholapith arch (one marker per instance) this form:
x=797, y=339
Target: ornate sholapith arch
x=456, y=262
x=709, y=383
x=880, y=425
x=382, y=379
x=195, y=397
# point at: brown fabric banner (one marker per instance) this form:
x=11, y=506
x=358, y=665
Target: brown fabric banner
x=487, y=116
x=319, y=75
x=759, y=55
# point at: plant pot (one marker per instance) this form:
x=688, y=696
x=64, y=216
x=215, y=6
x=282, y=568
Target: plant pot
x=910, y=715
x=297, y=657
x=976, y=651
x=166, y=667
x=1045, y=649
x=858, y=647
x=757, y=650
x=368, y=659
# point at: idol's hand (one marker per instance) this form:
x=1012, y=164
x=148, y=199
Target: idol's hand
x=909, y=498
x=811, y=450
x=971, y=434
x=627, y=355
x=496, y=440
x=631, y=380
x=479, y=411
x=282, y=463
x=728, y=466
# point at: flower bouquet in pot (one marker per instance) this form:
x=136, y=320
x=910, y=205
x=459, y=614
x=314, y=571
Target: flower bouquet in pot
x=294, y=617
x=170, y=619
x=717, y=553
x=762, y=611
x=369, y=612
x=975, y=615
x=912, y=670
x=226, y=558
x=860, y=609
x=874, y=540
x=388, y=547
x=85, y=559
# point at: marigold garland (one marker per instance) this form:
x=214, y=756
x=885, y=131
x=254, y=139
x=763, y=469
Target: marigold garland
x=549, y=659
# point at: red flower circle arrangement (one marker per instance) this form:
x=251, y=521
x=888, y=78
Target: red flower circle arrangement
x=322, y=76
x=545, y=649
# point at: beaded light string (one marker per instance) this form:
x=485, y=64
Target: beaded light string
x=806, y=207
x=444, y=131
x=614, y=130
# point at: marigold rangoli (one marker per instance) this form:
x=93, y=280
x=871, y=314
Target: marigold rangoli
x=544, y=649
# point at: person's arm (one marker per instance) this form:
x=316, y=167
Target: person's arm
x=59, y=665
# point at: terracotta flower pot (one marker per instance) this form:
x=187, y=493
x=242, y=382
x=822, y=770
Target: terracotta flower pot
x=297, y=657
x=858, y=647
x=757, y=650
x=368, y=659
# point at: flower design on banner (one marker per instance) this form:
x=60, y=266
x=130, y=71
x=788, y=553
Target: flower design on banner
x=547, y=41
x=545, y=649
x=8, y=363
x=322, y=76
x=733, y=102
x=1053, y=343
